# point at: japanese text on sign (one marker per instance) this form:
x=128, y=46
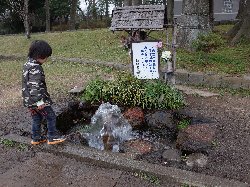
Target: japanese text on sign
x=145, y=60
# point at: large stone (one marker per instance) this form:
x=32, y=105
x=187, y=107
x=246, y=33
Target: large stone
x=196, y=138
x=135, y=117
x=197, y=160
x=162, y=122
x=136, y=147
x=160, y=119
x=172, y=155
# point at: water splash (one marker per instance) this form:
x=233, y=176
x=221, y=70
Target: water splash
x=108, y=128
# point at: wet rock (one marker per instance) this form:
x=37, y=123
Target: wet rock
x=135, y=117
x=197, y=160
x=75, y=112
x=172, y=155
x=196, y=138
x=137, y=147
x=160, y=119
x=163, y=122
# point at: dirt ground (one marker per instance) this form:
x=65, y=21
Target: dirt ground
x=231, y=117
x=229, y=114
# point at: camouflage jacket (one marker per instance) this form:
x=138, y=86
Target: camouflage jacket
x=34, y=88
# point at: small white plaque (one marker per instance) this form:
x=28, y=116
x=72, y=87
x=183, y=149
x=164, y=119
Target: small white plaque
x=145, y=60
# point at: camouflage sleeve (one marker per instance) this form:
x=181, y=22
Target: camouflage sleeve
x=35, y=83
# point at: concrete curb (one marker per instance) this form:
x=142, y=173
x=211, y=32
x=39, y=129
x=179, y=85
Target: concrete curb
x=118, y=161
x=182, y=76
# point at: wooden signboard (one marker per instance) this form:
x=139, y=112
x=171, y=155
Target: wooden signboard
x=138, y=17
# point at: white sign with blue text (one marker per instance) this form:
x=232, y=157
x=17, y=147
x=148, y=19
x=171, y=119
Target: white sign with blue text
x=145, y=60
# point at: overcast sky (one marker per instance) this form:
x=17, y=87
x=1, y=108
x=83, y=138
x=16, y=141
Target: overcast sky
x=83, y=5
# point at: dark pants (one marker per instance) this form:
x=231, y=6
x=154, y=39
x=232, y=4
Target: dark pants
x=37, y=118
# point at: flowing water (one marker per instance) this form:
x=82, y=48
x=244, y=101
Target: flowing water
x=108, y=128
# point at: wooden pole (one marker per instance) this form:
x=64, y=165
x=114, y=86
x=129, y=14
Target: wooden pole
x=173, y=50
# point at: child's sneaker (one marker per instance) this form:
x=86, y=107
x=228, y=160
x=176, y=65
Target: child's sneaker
x=38, y=141
x=56, y=140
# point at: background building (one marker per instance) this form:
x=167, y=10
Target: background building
x=223, y=9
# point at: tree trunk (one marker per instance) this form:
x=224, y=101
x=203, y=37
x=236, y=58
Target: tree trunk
x=47, y=10
x=136, y=2
x=242, y=28
x=242, y=9
x=170, y=11
x=211, y=12
x=106, y=8
x=26, y=18
x=73, y=14
x=127, y=2
x=94, y=10
x=195, y=20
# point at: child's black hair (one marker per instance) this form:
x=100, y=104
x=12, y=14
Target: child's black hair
x=39, y=49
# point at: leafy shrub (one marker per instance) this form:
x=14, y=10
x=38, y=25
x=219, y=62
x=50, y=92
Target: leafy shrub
x=93, y=91
x=208, y=42
x=127, y=90
x=184, y=123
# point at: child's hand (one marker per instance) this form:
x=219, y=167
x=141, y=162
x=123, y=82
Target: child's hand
x=41, y=107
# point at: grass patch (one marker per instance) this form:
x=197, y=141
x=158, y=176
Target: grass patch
x=103, y=45
x=60, y=77
x=10, y=73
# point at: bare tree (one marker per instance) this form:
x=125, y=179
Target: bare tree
x=242, y=28
x=47, y=10
x=73, y=9
x=26, y=18
x=195, y=20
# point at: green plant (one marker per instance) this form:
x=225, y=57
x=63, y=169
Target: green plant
x=184, y=157
x=151, y=178
x=215, y=143
x=22, y=147
x=93, y=91
x=11, y=143
x=7, y=142
x=208, y=42
x=184, y=123
x=127, y=90
x=161, y=96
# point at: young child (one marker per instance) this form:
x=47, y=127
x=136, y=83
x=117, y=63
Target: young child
x=35, y=95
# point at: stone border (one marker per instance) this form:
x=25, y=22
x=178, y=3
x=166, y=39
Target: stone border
x=118, y=161
x=181, y=76
x=212, y=80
